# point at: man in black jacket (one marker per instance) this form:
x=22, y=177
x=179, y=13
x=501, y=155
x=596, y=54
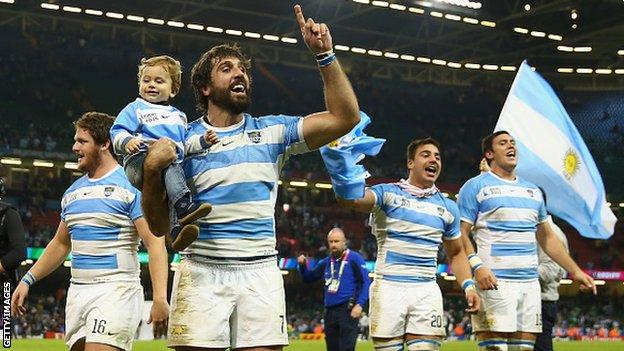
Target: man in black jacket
x=12, y=241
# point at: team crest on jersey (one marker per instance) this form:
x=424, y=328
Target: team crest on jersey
x=254, y=136
x=108, y=191
x=441, y=211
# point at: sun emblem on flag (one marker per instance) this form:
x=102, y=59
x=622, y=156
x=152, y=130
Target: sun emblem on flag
x=334, y=143
x=571, y=164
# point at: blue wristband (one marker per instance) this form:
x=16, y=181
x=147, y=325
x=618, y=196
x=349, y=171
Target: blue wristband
x=467, y=283
x=475, y=262
x=28, y=279
x=327, y=60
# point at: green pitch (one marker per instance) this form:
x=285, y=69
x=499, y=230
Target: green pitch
x=57, y=345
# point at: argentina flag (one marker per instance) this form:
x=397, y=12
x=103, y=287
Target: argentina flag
x=553, y=155
x=341, y=158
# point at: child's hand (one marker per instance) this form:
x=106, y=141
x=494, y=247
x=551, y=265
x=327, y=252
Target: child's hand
x=133, y=145
x=211, y=137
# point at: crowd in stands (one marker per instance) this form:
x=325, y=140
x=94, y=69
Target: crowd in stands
x=50, y=81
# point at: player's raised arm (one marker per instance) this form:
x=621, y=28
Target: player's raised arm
x=342, y=107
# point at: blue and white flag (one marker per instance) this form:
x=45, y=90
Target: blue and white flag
x=341, y=158
x=553, y=155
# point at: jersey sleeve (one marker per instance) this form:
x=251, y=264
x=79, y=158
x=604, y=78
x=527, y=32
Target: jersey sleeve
x=451, y=228
x=293, y=140
x=123, y=129
x=542, y=214
x=134, y=205
x=468, y=203
x=378, y=190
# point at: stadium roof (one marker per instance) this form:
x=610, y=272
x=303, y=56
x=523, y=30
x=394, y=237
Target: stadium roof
x=416, y=40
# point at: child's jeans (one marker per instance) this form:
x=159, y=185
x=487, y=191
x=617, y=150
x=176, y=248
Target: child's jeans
x=173, y=175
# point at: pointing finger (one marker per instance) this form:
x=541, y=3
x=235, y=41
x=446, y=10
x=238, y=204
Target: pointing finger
x=299, y=14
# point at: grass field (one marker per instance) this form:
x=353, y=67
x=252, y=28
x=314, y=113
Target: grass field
x=57, y=345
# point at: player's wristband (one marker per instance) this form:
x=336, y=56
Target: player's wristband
x=468, y=284
x=28, y=279
x=475, y=262
x=326, y=58
x=324, y=55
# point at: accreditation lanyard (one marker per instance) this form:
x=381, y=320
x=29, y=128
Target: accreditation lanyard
x=333, y=283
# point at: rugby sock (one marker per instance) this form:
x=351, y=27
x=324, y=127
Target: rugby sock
x=388, y=345
x=423, y=345
x=493, y=345
x=520, y=345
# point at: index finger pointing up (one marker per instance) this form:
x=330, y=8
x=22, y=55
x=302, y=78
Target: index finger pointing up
x=299, y=15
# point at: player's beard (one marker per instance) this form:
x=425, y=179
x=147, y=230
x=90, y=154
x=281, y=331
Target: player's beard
x=90, y=162
x=223, y=99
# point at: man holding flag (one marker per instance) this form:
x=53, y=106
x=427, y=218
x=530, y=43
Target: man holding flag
x=508, y=215
x=554, y=155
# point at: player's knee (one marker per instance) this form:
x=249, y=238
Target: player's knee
x=493, y=345
x=521, y=345
x=395, y=344
x=423, y=345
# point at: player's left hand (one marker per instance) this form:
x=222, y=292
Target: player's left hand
x=587, y=282
x=356, y=311
x=473, y=300
x=315, y=35
x=159, y=313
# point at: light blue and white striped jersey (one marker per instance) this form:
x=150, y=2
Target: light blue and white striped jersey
x=409, y=231
x=239, y=176
x=100, y=215
x=149, y=122
x=505, y=215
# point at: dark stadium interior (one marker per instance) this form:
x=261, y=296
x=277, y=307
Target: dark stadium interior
x=56, y=65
